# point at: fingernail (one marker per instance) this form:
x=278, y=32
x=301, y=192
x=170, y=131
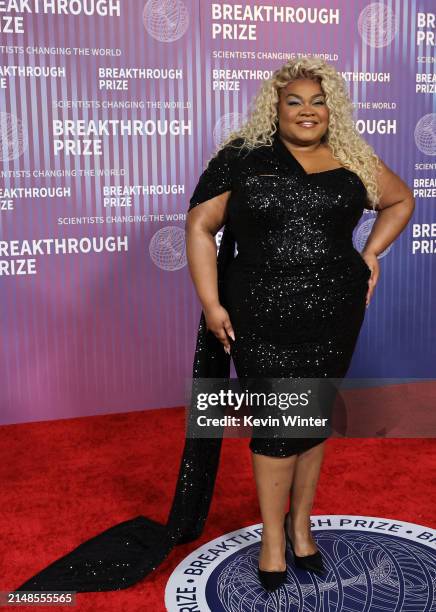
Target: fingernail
x=227, y=350
x=232, y=335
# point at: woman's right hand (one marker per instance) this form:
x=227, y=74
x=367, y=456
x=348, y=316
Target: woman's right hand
x=218, y=322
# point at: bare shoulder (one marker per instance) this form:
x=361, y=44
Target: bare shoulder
x=392, y=187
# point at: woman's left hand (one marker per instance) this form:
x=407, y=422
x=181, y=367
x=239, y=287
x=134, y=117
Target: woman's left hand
x=372, y=263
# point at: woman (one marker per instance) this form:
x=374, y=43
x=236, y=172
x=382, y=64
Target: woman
x=292, y=184
x=289, y=187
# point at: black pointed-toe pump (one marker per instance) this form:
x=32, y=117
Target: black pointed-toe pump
x=270, y=579
x=311, y=563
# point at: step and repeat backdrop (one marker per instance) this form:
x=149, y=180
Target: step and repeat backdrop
x=108, y=111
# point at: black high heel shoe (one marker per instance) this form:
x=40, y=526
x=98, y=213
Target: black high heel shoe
x=311, y=563
x=271, y=580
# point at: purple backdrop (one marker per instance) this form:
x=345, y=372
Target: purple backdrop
x=107, y=322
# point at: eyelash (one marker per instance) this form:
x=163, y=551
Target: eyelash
x=295, y=102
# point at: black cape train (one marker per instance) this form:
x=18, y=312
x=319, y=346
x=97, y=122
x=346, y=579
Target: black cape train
x=126, y=552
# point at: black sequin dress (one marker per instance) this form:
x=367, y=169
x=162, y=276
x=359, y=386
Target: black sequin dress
x=295, y=293
x=296, y=290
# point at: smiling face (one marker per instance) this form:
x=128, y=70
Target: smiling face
x=303, y=115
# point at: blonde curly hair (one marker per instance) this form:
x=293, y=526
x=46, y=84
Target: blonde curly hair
x=347, y=146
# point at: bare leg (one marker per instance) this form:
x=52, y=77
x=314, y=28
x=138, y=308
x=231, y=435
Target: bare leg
x=273, y=476
x=302, y=494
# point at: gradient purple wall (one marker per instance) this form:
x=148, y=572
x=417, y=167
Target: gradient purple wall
x=100, y=332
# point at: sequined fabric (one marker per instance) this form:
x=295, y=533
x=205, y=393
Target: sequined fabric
x=295, y=293
x=128, y=551
x=296, y=290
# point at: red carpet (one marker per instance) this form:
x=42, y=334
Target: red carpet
x=64, y=481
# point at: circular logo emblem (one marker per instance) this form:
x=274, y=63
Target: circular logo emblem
x=425, y=134
x=225, y=125
x=377, y=25
x=13, y=137
x=165, y=20
x=167, y=248
x=373, y=564
x=361, y=236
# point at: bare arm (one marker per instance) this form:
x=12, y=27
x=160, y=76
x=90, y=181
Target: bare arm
x=202, y=223
x=395, y=209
